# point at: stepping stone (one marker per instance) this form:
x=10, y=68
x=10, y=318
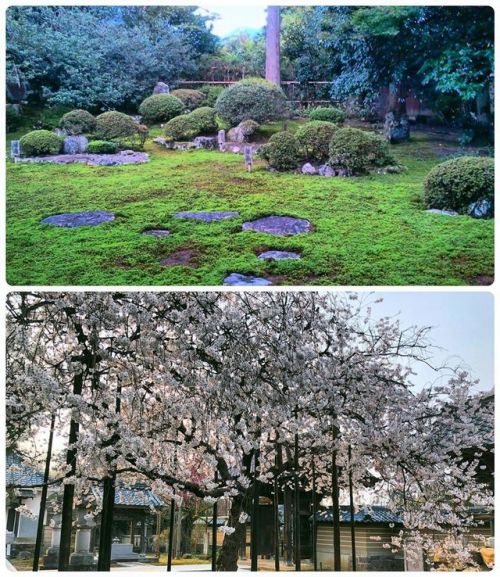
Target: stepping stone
x=235, y=279
x=278, y=255
x=75, y=219
x=279, y=225
x=207, y=216
x=442, y=212
x=180, y=258
x=159, y=232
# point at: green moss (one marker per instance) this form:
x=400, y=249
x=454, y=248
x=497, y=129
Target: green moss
x=369, y=230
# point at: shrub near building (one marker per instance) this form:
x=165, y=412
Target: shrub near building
x=314, y=139
x=160, y=108
x=253, y=98
x=40, y=143
x=456, y=183
x=111, y=125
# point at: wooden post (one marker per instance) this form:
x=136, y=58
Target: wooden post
x=351, y=510
x=276, y=518
x=296, y=505
x=171, y=534
x=253, y=518
x=336, y=512
x=215, y=515
x=314, y=513
x=273, y=44
x=43, y=498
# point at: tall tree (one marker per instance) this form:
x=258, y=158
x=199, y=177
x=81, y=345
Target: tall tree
x=273, y=44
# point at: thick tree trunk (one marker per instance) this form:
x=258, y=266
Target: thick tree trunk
x=228, y=555
x=273, y=44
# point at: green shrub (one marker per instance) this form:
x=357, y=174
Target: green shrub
x=160, y=108
x=255, y=99
x=327, y=113
x=102, y=147
x=282, y=151
x=78, y=122
x=40, y=142
x=205, y=119
x=314, y=139
x=190, y=98
x=456, y=183
x=12, y=118
x=111, y=125
x=211, y=92
x=183, y=127
x=355, y=150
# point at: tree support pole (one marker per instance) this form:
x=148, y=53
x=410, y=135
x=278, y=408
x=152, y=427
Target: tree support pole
x=296, y=505
x=276, y=518
x=215, y=515
x=43, y=498
x=351, y=509
x=253, y=518
x=314, y=521
x=171, y=534
x=336, y=512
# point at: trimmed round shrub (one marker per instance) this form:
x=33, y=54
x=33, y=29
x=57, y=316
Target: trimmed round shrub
x=205, y=119
x=211, y=92
x=456, y=183
x=160, y=107
x=78, y=122
x=254, y=99
x=282, y=151
x=355, y=150
x=327, y=113
x=183, y=127
x=112, y=124
x=40, y=142
x=314, y=139
x=190, y=98
x=102, y=147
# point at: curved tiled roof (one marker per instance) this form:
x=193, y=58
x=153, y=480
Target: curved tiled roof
x=138, y=495
x=17, y=473
x=374, y=514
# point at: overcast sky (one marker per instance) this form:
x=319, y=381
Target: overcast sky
x=233, y=17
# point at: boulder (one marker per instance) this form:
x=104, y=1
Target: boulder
x=325, y=170
x=308, y=168
x=75, y=145
x=236, y=135
x=481, y=208
x=396, y=128
x=206, y=142
x=161, y=88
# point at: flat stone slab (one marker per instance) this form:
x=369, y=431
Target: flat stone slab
x=235, y=279
x=124, y=157
x=278, y=255
x=284, y=225
x=442, y=212
x=159, y=232
x=180, y=258
x=207, y=216
x=75, y=219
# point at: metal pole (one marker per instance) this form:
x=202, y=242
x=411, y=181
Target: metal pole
x=351, y=508
x=215, y=515
x=314, y=521
x=43, y=499
x=171, y=534
x=276, y=518
x=253, y=519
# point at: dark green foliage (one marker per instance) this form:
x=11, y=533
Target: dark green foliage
x=254, y=99
x=12, y=118
x=190, y=98
x=160, y=107
x=282, y=151
x=113, y=124
x=248, y=128
x=205, y=119
x=211, y=93
x=356, y=150
x=102, y=147
x=183, y=127
x=328, y=114
x=78, y=122
x=314, y=139
x=456, y=183
x=40, y=143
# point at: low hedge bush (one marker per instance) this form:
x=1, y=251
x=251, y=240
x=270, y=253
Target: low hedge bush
x=40, y=142
x=205, y=118
x=111, y=125
x=327, y=113
x=102, y=147
x=190, y=98
x=78, y=122
x=456, y=183
x=314, y=139
x=160, y=107
x=183, y=127
x=282, y=151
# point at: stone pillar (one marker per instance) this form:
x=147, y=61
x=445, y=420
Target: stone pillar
x=221, y=140
x=15, y=149
x=51, y=557
x=82, y=559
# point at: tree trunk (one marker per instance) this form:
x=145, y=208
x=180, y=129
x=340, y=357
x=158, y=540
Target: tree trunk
x=273, y=44
x=228, y=555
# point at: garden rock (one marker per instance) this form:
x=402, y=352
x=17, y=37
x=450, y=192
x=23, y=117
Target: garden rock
x=236, y=135
x=75, y=144
x=180, y=258
x=90, y=159
x=161, y=88
x=207, y=216
x=158, y=232
x=396, y=129
x=325, y=170
x=442, y=212
x=282, y=225
x=308, y=168
x=206, y=142
x=76, y=219
x=481, y=209
x=235, y=279
x=278, y=255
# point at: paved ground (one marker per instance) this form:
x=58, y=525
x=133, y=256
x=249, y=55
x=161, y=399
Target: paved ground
x=147, y=568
